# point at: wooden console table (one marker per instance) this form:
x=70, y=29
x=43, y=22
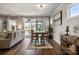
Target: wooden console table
x=70, y=44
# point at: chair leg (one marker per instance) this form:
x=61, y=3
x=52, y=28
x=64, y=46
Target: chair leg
x=35, y=42
x=42, y=39
x=43, y=42
x=31, y=39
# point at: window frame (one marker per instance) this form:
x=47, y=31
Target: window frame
x=70, y=10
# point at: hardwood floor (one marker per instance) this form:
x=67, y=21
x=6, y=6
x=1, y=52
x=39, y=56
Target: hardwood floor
x=21, y=49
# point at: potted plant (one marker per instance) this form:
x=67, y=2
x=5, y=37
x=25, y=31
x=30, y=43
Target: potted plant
x=50, y=29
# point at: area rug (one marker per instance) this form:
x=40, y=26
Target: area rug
x=46, y=46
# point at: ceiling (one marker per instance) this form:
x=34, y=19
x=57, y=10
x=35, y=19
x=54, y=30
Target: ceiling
x=27, y=9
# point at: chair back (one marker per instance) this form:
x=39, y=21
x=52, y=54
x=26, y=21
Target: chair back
x=45, y=35
x=33, y=35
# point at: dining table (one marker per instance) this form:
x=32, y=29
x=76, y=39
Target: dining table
x=40, y=37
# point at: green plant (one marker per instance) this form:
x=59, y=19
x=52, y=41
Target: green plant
x=50, y=29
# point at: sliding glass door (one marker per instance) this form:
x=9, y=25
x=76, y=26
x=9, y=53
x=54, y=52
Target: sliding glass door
x=36, y=24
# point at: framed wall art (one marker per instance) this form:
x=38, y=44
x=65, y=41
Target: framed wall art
x=58, y=19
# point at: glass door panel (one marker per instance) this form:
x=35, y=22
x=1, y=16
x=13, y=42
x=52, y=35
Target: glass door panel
x=27, y=28
x=1, y=25
x=39, y=26
x=34, y=26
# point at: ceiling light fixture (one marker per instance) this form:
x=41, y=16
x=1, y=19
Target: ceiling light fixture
x=41, y=6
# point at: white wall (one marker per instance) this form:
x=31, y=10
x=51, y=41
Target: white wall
x=72, y=22
x=66, y=21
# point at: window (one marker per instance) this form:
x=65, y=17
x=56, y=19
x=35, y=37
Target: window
x=39, y=26
x=0, y=24
x=74, y=10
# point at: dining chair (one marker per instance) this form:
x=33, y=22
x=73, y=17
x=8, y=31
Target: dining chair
x=40, y=37
x=33, y=36
x=45, y=37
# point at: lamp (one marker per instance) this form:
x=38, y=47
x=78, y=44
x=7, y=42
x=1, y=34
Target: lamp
x=67, y=30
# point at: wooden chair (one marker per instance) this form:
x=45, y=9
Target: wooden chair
x=45, y=37
x=33, y=37
x=40, y=37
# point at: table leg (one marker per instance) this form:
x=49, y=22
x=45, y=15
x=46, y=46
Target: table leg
x=43, y=42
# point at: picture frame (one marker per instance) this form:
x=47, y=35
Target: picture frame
x=58, y=19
